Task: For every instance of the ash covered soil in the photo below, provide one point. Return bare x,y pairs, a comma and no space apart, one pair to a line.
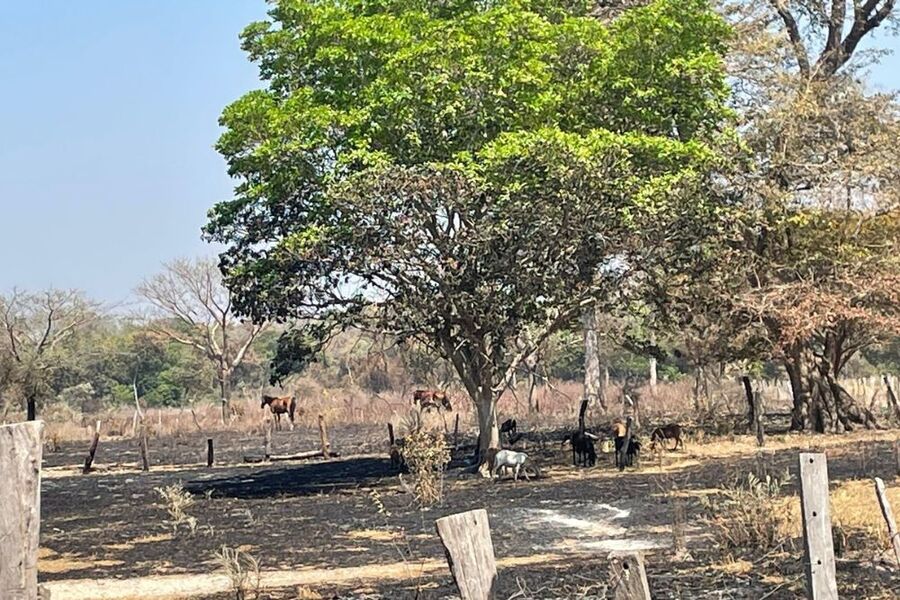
349,528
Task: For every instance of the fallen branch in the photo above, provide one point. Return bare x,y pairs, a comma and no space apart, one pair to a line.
298,456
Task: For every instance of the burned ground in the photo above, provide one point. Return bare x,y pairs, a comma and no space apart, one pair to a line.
349,528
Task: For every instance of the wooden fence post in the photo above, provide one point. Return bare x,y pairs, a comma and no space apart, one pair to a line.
821,583
470,553
267,442
456,433
20,497
897,455
748,392
89,460
888,515
758,420
209,452
145,452
627,577
323,438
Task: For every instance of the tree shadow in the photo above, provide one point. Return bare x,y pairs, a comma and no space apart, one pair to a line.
297,480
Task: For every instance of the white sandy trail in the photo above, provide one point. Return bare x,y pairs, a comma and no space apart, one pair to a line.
173,587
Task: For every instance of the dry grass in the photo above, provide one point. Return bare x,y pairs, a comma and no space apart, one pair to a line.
669,401
242,570
748,515
426,453
857,523
176,500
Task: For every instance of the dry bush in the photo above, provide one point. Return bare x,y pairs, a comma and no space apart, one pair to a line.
305,593
426,454
750,515
242,570
176,500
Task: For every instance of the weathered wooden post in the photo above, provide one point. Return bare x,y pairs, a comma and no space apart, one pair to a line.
627,577
209,452
267,442
888,515
145,452
323,438
391,438
20,516
456,433
89,460
626,443
470,553
758,420
748,392
897,455
821,583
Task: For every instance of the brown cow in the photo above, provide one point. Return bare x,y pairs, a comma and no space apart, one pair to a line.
671,431
280,405
426,399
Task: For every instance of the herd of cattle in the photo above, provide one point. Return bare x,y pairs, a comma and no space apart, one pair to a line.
625,445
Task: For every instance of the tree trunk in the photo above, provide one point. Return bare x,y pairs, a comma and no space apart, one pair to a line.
532,381
653,377
821,404
488,431
225,389
31,402
592,383
800,414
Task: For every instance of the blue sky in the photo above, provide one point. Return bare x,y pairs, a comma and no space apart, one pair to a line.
108,116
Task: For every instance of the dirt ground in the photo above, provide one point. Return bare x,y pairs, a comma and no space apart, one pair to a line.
348,528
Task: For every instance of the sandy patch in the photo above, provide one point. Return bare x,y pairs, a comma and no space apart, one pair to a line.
172,587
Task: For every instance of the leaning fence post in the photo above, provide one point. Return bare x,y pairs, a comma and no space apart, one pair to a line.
470,553
628,579
20,497
89,460
888,515
821,583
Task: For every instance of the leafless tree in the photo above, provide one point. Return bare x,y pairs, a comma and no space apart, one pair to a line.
35,327
194,308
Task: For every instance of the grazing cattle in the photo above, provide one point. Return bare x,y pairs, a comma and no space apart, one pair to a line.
280,405
426,399
626,457
672,431
582,447
508,459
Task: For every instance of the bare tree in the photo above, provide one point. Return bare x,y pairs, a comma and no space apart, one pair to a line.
35,327
194,308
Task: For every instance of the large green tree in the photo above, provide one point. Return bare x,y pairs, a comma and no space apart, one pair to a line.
459,172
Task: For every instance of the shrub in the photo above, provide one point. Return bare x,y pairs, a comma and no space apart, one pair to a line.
426,454
242,570
176,500
750,514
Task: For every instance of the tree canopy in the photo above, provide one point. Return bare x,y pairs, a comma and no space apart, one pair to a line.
455,172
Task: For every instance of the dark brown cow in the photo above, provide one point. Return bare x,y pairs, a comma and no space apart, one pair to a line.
426,399
280,405
671,431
